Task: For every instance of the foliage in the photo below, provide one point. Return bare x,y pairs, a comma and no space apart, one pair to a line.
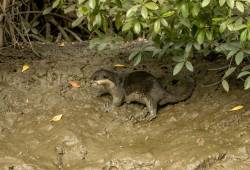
177,27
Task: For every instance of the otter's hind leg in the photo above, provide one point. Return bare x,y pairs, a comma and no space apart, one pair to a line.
117,101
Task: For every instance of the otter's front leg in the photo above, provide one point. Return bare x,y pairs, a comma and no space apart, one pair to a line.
117,101
152,108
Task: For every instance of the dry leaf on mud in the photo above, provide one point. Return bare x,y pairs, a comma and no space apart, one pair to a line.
237,108
74,84
119,65
61,44
25,67
56,118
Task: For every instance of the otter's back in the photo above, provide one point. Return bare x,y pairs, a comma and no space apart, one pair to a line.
138,82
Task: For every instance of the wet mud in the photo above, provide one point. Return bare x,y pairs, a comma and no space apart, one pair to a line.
198,134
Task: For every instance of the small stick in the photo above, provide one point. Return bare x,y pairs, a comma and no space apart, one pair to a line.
73,34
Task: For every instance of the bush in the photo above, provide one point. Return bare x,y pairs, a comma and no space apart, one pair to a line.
177,27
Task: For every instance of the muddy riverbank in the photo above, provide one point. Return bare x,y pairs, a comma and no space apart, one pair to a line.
200,133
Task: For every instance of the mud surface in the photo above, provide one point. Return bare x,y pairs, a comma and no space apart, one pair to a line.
200,133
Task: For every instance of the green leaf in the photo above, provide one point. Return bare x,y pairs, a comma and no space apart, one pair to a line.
83,10
231,53
132,55
240,6
239,57
200,37
119,3
247,83
98,20
195,10
151,5
149,48
164,22
92,4
236,27
137,59
178,59
223,26
77,22
157,26
247,67
205,3
230,3
47,10
243,35
229,72
186,22
105,25
197,46
168,13
144,12
137,28
131,11
188,48
222,2
56,3
242,74
209,35
70,8
118,21
225,85
81,1
184,10
178,68
248,37
126,26
189,66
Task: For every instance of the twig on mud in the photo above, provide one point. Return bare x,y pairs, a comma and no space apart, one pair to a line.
40,12
18,31
218,69
47,30
73,34
27,35
55,23
210,85
38,38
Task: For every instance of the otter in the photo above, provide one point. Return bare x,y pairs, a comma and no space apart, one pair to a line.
137,86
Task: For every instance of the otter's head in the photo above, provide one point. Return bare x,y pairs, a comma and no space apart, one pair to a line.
104,77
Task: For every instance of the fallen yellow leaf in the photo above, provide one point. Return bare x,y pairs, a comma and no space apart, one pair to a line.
74,84
237,108
119,65
25,67
61,44
56,118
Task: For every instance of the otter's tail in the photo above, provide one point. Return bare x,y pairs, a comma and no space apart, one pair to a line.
170,98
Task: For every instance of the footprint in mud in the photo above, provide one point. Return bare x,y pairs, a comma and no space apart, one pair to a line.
68,155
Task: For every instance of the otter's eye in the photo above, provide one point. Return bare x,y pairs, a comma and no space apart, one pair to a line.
105,77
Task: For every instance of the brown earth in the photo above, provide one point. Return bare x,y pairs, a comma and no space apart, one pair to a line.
200,133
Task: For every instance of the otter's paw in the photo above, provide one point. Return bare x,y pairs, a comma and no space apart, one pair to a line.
107,107
150,117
